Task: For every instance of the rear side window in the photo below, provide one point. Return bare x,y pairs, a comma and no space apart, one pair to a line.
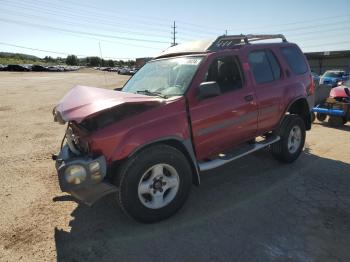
264,66
295,59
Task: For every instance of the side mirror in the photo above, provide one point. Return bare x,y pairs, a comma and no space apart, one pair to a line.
208,89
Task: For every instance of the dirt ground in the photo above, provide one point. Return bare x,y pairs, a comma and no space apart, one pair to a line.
254,209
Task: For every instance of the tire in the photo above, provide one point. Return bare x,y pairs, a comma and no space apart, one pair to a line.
313,117
283,149
336,121
321,117
148,194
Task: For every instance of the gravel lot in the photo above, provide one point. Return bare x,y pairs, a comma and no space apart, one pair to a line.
254,209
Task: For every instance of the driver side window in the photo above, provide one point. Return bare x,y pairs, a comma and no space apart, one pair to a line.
226,71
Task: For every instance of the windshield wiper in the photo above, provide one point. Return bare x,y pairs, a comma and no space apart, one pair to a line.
151,93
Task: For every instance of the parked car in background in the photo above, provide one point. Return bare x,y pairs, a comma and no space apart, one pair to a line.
132,71
18,68
333,77
123,71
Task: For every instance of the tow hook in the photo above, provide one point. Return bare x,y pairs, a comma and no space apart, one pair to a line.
54,157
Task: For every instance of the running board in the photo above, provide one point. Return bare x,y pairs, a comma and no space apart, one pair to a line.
237,153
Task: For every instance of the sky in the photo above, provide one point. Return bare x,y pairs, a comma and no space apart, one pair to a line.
130,29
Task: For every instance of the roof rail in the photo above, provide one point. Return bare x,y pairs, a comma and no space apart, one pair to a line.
230,41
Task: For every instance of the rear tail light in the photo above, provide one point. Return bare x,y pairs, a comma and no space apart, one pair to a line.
311,87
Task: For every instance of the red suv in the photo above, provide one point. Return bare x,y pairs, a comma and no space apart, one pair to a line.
195,107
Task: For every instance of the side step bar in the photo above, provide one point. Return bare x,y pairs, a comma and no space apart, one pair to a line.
237,153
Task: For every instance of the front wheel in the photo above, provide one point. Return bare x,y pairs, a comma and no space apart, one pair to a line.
292,133
154,183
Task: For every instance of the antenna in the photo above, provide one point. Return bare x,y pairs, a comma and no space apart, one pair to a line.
104,72
174,34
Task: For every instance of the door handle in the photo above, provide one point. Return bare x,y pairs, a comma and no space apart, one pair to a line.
249,98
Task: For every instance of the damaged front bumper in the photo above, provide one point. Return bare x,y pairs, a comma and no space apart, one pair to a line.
83,177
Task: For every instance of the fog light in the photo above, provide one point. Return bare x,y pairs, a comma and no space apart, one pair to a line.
75,174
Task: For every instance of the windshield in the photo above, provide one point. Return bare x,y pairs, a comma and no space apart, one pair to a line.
166,77
333,74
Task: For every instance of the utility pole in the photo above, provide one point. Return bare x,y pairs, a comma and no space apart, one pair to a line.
104,72
174,34
225,32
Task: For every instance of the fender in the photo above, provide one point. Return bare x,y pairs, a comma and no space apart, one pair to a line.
306,117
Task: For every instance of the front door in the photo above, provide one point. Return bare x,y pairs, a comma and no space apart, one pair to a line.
220,122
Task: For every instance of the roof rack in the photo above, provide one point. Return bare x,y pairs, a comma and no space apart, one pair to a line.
230,41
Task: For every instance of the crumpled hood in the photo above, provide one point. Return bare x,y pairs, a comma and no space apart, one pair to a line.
83,101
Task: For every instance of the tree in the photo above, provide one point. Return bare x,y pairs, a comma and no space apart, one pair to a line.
93,61
110,63
72,60
49,59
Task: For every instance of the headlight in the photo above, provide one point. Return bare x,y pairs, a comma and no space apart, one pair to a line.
75,174
57,116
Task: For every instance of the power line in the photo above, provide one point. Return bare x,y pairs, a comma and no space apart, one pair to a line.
36,49
320,33
327,44
95,9
76,15
99,39
206,32
86,17
81,32
56,52
292,23
89,23
316,26
101,21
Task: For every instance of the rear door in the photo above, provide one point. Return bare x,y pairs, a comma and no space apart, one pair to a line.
268,81
219,123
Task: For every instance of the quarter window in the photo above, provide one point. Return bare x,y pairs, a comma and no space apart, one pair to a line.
295,60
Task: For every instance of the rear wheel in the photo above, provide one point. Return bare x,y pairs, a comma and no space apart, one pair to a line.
154,183
292,133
